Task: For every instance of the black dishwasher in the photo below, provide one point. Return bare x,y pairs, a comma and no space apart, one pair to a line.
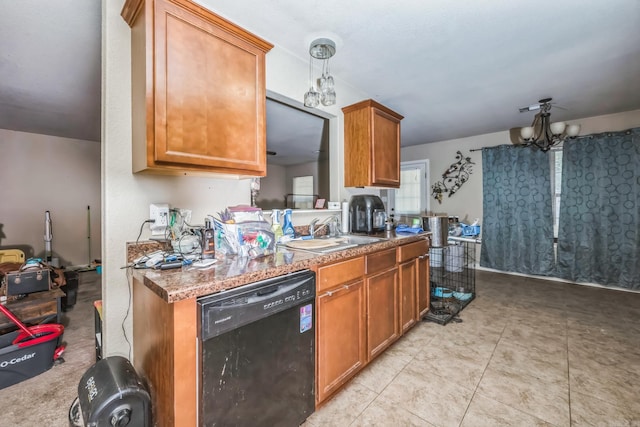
257,353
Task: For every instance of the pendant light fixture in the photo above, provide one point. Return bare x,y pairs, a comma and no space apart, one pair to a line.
542,133
321,49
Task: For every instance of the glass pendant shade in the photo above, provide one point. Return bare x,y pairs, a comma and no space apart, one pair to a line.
311,98
322,49
328,98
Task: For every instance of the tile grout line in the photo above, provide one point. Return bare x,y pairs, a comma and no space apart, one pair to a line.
568,364
483,372
413,357
385,387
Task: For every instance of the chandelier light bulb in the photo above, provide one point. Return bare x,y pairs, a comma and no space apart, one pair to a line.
573,130
526,132
557,128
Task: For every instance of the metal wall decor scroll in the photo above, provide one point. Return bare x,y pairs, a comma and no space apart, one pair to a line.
453,178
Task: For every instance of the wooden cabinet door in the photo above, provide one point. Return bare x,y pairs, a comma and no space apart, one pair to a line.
385,167
341,337
408,287
198,91
209,94
371,145
424,288
383,326
412,281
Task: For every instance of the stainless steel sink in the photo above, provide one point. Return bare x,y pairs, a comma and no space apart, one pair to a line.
345,241
362,240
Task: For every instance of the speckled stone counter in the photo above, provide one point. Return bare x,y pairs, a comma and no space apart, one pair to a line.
230,272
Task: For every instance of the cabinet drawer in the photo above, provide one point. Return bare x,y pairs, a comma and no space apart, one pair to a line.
339,272
412,250
380,261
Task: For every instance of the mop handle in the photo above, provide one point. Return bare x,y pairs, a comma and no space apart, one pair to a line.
15,320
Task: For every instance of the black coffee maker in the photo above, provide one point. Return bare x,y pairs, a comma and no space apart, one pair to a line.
367,214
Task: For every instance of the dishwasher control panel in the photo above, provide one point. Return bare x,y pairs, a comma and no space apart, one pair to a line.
228,310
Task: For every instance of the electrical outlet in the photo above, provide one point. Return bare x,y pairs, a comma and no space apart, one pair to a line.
159,212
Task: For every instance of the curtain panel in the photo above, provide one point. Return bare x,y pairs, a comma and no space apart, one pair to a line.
599,227
517,226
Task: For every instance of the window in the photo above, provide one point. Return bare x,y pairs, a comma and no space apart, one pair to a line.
411,197
303,192
556,185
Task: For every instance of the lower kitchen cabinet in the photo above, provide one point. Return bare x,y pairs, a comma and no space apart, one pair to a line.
363,305
382,293
341,336
411,282
383,327
408,280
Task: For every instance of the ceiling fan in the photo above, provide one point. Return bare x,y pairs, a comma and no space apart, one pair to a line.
542,133
545,102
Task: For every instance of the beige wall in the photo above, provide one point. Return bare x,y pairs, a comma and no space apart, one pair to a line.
273,187
126,197
61,175
467,202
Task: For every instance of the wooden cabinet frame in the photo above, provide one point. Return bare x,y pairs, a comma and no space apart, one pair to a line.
198,91
371,145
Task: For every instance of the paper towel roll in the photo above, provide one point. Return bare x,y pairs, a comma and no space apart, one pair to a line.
344,219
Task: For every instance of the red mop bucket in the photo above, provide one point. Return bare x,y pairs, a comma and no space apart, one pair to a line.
29,351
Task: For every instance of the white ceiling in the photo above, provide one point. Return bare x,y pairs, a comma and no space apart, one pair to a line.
50,67
453,69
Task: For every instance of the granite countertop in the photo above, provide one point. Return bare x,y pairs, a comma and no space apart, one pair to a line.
230,272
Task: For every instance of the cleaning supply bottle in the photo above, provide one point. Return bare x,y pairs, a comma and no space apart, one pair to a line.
275,224
208,248
287,227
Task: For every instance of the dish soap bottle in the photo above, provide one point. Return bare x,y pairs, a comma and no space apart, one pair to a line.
287,227
275,224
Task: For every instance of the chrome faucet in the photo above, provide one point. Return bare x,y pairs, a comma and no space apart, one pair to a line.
333,222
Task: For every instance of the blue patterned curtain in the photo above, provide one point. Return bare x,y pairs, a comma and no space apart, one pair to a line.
599,229
517,226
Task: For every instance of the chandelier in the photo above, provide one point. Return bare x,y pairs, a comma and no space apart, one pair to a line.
321,49
542,133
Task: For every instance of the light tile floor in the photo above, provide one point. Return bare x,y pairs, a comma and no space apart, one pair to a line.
528,352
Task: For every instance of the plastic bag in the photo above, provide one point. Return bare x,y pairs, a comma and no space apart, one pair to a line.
246,239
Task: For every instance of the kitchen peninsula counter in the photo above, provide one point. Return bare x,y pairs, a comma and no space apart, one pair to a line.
231,272
165,315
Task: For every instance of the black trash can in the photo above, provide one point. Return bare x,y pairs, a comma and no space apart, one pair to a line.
70,289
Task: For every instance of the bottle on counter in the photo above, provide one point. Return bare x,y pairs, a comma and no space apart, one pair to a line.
208,241
287,227
275,224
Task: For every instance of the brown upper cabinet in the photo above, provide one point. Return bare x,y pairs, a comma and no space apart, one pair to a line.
198,91
371,145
